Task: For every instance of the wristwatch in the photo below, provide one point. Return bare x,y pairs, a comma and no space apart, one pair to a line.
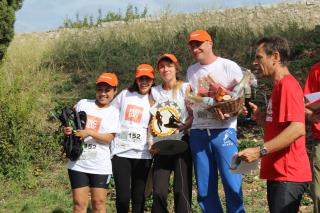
263,150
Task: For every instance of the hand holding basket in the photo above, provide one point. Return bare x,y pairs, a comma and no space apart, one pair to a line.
228,102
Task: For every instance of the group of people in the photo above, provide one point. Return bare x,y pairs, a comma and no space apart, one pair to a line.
118,142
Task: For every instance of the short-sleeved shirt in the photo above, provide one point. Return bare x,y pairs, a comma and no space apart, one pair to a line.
134,110
286,105
225,72
313,85
95,158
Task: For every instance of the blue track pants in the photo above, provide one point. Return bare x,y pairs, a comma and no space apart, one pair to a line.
212,151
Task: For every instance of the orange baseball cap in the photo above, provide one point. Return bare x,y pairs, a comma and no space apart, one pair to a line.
145,70
170,56
109,78
199,35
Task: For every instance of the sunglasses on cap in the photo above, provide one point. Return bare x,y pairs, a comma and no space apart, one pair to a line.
144,78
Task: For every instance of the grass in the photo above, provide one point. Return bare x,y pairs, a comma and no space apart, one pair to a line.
49,192
46,192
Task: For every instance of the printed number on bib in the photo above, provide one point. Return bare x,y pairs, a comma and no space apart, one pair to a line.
129,139
130,136
89,151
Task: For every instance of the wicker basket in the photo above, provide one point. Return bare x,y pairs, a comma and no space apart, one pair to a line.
232,107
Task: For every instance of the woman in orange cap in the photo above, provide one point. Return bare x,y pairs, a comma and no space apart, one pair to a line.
92,170
181,164
131,159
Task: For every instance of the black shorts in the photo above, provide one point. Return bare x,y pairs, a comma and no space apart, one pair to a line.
81,179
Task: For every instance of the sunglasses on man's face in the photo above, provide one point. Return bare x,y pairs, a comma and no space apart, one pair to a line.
195,44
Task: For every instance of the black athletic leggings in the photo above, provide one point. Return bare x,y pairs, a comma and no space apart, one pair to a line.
181,165
130,175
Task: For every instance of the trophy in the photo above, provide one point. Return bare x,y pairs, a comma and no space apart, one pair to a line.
166,120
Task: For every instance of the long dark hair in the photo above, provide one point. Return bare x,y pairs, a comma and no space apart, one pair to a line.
135,88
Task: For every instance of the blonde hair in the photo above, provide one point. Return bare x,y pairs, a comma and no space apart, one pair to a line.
176,88
179,82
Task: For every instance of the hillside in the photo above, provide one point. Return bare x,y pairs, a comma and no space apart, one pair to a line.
304,12
156,35
46,71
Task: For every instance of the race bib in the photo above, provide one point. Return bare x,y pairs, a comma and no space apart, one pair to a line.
131,139
89,151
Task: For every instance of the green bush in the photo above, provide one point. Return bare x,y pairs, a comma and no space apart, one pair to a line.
26,140
86,22
7,18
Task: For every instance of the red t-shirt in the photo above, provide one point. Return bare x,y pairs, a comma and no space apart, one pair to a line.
285,105
313,85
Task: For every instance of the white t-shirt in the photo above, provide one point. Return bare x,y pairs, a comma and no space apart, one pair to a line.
161,95
227,73
131,142
95,158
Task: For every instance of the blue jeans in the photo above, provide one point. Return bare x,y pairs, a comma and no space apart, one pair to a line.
212,151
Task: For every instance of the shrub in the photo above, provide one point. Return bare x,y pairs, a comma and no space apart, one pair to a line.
25,137
7,18
86,22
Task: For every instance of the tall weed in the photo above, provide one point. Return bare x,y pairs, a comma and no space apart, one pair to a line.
24,99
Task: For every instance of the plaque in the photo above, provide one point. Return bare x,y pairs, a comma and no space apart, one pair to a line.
166,119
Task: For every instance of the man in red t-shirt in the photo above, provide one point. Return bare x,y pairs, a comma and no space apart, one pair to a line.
284,163
313,85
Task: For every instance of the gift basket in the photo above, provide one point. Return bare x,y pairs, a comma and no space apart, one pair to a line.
232,107
213,95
